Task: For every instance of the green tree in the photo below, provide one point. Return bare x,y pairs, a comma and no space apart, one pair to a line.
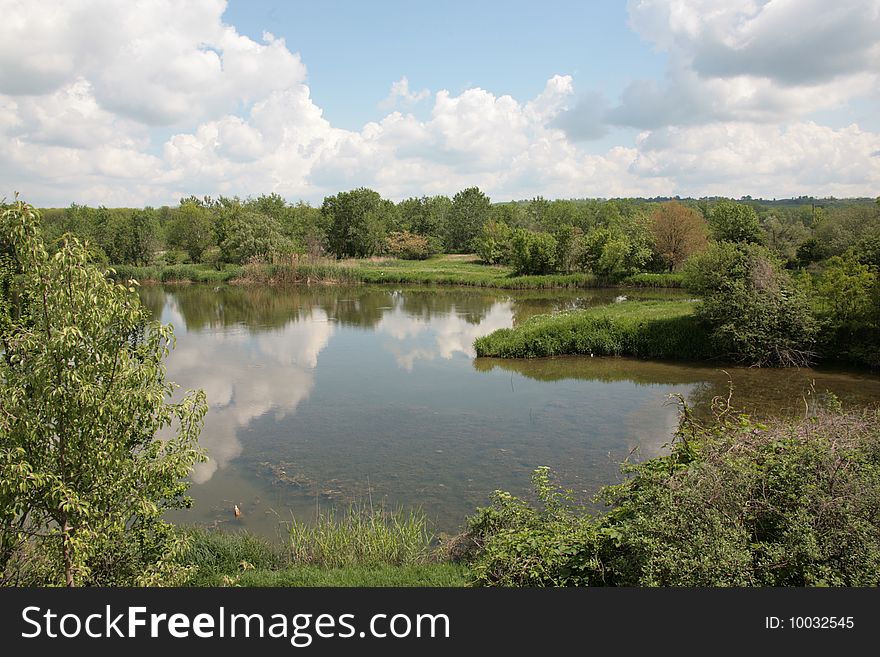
754,310
127,237
735,222
470,210
532,253
358,222
84,474
426,216
250,234
493,242
847,295
190,230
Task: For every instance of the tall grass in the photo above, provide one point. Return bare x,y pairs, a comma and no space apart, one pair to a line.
439,270
653,280
433,574
298,269
217,554
176,273
361,537
647,329
355,549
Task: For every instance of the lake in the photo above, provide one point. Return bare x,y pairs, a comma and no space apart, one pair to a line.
327,396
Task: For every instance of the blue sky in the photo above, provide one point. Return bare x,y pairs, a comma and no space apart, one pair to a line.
118,103
354,51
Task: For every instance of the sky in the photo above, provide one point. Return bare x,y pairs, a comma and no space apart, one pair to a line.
133,103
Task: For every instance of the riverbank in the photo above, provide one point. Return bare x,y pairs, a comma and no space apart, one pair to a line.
359,547
778,503
463,270
242,559
644,329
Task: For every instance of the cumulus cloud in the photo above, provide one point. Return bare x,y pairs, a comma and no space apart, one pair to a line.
746,158
140,64
801,43
751,61
401,94
111,103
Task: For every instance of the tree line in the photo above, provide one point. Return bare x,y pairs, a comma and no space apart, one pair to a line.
610,238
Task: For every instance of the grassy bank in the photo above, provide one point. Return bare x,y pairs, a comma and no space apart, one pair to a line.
177,273
440,270
733,502
644,329
354,548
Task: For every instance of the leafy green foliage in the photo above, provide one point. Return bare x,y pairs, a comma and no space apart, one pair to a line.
190,230
493,242
249,234
735,222
521,545
753,309
426,216
532,253
734,503
357,222
470,210
609,253
84,479
847,298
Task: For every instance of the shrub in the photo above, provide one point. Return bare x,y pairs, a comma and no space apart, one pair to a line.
755,312
553,544
532,253
847,295
408,246
734,503
493,243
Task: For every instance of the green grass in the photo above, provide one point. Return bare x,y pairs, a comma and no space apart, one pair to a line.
359,547
435,575
654,280
464,270
360,537
644,329
177,273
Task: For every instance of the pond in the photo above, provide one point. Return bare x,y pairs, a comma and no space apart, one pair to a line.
328,396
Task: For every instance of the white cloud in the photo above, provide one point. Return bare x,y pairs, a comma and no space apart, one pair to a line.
400,94
741,158
752,61
111,103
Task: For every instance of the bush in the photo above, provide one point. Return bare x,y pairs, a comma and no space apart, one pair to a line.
755,312
734,503
847,297
532,253
520,545
493,243
408,246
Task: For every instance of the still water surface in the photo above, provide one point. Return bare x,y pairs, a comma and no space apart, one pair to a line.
331,395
